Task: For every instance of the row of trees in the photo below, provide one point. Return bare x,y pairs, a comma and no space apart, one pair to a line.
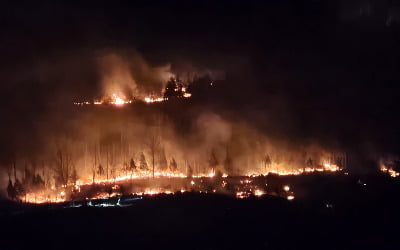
199,87
31,181
338,159
156,153
64,172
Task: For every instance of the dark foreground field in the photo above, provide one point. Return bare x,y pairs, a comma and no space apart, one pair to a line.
355,216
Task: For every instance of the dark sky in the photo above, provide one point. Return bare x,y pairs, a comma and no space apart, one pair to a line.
323,70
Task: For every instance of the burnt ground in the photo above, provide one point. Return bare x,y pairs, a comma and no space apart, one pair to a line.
337,213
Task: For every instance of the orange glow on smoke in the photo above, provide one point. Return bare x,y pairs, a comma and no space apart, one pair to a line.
53,195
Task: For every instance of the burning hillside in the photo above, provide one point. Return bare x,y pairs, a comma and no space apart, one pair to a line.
154,149
140,180
174,89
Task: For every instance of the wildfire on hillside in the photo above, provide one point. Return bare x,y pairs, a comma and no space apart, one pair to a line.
114,99
174,89
119,100
138,150
102,188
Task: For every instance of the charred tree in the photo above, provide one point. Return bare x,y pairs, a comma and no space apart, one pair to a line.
132,165
11,192
228,163
189,172
173,89
74,176
153,145
173,166
267,163
213,162
162,160
62,168
143,163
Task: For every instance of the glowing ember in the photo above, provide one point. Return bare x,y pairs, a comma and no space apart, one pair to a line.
153,100
258,192
390,171
248,186
323,168
242,195
118,100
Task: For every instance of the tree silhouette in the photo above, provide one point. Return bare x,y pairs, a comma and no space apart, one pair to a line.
228,163
94,166
153,144
213,162
74,176
37,182
309,162
162,160
132,165
19,188
100,170
12,193
173,165
59,169
143,163
267,162
190,172
173,88
28,176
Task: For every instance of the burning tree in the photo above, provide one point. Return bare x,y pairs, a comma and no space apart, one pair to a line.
267,162
74,176
94,166
189,172
143,163
132,165
173,88
153,144
162,160
12,193
310,163
100,170
19,188
228,163
173,166
213,162
28,176
31,182
37,182
62,168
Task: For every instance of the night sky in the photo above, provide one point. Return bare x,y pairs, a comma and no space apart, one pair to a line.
325,71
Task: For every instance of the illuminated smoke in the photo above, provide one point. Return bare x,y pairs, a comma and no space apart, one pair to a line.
129,75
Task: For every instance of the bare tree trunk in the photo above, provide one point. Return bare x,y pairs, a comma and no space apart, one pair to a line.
153,145
95,164
107,164
15,170
153,162
84,162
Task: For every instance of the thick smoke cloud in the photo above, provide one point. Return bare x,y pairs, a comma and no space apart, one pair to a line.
128,73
